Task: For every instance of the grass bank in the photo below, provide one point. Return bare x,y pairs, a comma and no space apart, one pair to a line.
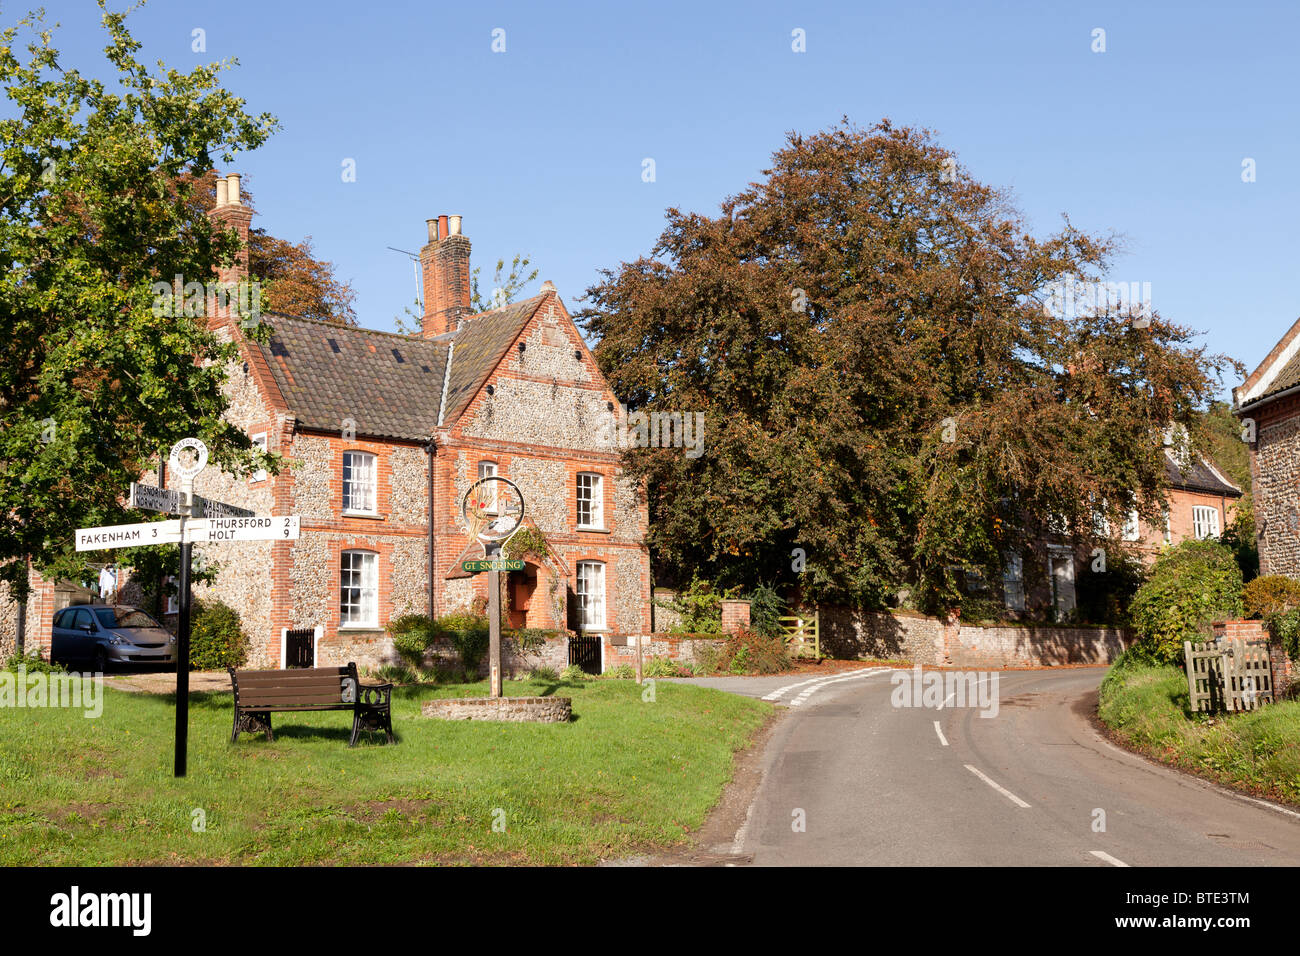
625,775
1257,752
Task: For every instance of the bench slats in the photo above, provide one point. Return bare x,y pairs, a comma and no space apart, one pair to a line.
291,677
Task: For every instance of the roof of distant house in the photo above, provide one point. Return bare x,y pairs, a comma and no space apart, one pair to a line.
386,385
1199,475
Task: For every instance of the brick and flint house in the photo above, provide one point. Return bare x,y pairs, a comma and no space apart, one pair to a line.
1200,503
380,430
1268,404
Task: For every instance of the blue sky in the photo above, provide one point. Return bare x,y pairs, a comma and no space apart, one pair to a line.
540,148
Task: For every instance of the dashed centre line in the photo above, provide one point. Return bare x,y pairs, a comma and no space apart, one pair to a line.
1103,855
998,787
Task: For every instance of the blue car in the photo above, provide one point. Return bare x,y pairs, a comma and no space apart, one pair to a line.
99,635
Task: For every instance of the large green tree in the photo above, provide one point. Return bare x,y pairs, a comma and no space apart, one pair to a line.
97,204
888,382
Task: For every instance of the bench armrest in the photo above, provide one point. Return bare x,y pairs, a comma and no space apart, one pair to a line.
375,695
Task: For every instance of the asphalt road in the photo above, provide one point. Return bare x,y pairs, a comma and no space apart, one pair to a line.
851,779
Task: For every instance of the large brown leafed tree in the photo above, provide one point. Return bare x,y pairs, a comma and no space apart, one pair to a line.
865,330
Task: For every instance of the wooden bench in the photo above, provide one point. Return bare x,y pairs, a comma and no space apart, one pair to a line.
259,693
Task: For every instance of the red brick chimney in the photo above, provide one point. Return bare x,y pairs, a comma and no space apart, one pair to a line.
445,264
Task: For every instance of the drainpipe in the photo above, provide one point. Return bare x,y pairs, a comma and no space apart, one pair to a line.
430,448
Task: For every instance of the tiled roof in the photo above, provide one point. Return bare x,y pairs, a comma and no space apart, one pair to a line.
1199,475
1288,377
481,341
389,385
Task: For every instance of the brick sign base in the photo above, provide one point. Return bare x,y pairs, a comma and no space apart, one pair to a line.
538,710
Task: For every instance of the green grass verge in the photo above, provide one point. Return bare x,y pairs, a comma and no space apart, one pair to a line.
623,776
1258,751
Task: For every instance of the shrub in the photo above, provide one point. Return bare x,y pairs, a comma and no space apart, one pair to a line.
32,663
699,607
664,667
765,609
412,634
1285,628
468,633
621,672
1269,596
1191,585
544,674
707,658
573,673
217,638
750,653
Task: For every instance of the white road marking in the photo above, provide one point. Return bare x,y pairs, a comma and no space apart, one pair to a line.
781,691
1188,778
945,703
942,739
804,695
1103,855
1000,789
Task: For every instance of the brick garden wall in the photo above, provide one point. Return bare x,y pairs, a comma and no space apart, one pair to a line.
621,649
884,635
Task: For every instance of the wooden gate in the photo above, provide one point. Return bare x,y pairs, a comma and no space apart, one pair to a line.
300,647
803,635
1228,675
584,650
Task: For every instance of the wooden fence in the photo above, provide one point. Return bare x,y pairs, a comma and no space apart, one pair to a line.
803,635
1229,675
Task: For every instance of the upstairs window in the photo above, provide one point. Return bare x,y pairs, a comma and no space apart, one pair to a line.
1205,522
591,501
1132,527
488,493
259,442
358,482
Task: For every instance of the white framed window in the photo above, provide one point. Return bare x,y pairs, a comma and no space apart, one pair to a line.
1169,528
359,589
591,595
1205,522
173,605
488,469
591,501
1132,526
259,442
359,482
1013,581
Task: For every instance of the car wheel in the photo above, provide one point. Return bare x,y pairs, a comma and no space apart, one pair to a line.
101,661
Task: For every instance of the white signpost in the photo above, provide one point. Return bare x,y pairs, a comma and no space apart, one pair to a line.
129,535
201,521
168,501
